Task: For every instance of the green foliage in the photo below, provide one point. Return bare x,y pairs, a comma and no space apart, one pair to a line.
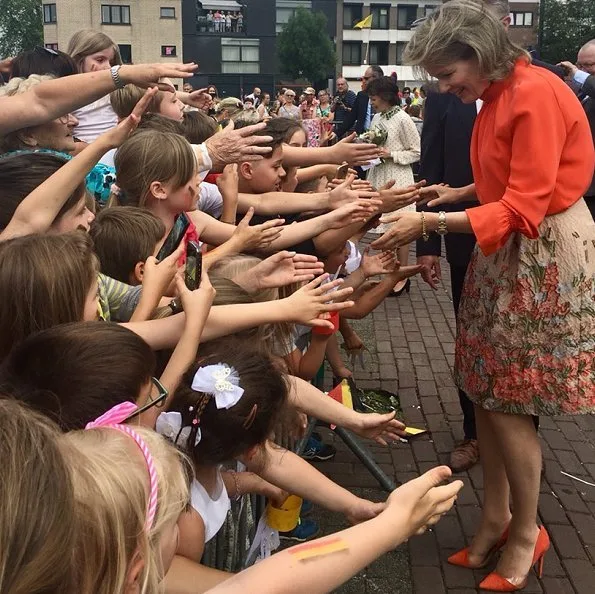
567,25
304,47
21,26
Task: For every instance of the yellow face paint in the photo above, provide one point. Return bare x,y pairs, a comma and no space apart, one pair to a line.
318,548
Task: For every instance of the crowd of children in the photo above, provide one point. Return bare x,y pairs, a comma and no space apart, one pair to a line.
168,291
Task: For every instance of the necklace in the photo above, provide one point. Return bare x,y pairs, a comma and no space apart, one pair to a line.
387,115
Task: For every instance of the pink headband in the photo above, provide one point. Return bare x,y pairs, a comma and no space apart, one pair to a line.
113,419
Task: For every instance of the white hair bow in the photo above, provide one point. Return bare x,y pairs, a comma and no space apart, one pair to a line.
220,381
169,424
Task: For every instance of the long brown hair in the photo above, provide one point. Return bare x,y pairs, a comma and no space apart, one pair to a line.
87,42
37,531
44,281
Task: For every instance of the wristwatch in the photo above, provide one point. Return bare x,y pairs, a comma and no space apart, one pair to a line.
115,72
442,228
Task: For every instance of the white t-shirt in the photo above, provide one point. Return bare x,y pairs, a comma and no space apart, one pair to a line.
210,199
95,119
213,511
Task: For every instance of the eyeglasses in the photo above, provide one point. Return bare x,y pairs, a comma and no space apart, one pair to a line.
290,96
157,402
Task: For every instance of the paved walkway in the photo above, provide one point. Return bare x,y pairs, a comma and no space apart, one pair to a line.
412,347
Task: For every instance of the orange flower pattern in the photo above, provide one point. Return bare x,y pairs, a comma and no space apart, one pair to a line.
526,339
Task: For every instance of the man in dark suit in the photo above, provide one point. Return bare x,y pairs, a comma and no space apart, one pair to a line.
583,77
360,116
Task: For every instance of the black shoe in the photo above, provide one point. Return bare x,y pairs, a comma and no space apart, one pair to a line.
405,288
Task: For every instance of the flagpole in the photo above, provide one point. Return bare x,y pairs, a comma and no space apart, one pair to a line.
367,46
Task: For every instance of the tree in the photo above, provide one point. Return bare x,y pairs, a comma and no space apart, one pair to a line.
21,26
566,26
305,48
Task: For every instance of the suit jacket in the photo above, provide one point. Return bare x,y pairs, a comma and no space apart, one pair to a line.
356,118
445,158
587,99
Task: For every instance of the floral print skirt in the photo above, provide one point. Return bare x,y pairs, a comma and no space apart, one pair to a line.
526,327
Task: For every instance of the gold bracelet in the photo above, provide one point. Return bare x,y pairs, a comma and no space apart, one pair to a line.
424,228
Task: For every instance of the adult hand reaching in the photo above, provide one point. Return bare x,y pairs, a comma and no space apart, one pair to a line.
234,146
354,153
431,272
148,75
405,228
569,69
438,194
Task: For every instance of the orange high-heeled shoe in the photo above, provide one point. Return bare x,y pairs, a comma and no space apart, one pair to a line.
496,583
461,558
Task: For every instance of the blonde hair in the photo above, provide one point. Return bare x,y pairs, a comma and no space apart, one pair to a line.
228,292
87,42
17,86
37,533
149,156
464,30
111,489
125,99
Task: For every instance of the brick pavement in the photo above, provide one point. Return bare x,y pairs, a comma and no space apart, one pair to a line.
411,339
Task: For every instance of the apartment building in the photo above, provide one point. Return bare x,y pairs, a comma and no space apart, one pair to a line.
524,23
146,31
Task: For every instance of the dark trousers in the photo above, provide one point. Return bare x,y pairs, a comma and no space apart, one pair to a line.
457,279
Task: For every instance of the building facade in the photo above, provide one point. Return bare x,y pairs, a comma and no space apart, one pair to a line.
524,23
146,31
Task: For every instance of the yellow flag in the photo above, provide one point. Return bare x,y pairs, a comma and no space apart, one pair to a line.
365,24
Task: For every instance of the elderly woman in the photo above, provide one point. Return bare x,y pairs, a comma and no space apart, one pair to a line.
525,342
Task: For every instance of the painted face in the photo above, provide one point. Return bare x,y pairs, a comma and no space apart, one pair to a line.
461,78
77,217
99,60
171,107
268,174
185,198
298,139
91,309
56,134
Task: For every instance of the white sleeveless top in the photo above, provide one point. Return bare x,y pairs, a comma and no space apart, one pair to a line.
212,511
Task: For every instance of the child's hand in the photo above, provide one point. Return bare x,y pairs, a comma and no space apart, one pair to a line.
256,236
193,301
116,136
345,193
379,428
379,263
307,303
227,183
157,276
363,510
359,211
284,268
421,502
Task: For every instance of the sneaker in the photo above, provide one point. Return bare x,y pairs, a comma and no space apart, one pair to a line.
317,450
307,507
305,530
464,456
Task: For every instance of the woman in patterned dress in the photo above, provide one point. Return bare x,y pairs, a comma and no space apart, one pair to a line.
400,149
526,340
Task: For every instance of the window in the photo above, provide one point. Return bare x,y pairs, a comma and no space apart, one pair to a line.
168,51
115,14
167,12
405,16
286,9
240,56
428,10
352,14
379,16
378,53
401,45
521,19
51,46
352,53
49,13
125,53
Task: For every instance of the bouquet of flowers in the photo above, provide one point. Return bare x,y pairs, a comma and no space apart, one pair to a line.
376,135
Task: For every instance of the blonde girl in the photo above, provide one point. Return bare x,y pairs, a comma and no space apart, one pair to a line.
37,534
130,487
94,51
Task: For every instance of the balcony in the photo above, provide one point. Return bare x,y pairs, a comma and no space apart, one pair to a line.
220,17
